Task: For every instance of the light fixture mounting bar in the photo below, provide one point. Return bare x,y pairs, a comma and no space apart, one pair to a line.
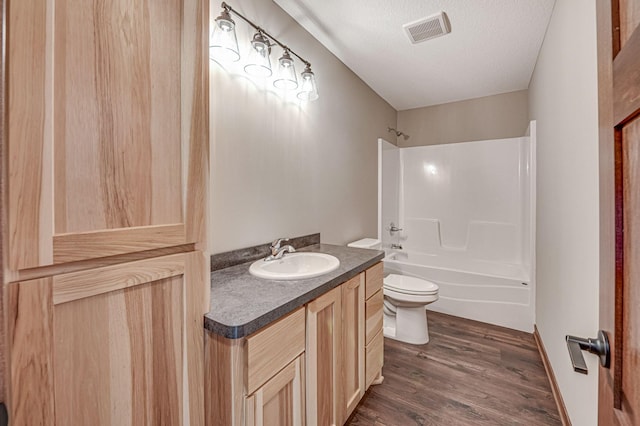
228,8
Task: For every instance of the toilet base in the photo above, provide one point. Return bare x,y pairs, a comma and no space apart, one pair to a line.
409,325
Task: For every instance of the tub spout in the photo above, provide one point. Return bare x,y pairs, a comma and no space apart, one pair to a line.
396,246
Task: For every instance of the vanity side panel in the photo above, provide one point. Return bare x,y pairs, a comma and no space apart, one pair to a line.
224,380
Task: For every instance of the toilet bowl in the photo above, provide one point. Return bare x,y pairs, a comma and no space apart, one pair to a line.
405,299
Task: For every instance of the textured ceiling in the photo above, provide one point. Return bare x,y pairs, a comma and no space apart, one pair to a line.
492,47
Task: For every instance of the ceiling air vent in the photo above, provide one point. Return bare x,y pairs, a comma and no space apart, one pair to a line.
427,28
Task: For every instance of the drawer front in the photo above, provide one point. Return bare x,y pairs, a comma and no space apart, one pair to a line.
373,316
374,358
273,347
373,279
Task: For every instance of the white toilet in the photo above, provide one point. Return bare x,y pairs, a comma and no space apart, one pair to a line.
405,298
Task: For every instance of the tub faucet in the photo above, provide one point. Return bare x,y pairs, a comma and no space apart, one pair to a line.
396,246
277,252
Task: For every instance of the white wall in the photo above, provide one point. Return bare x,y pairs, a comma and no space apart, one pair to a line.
281,168
563,100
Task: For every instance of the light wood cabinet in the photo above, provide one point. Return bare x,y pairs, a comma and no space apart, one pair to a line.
374,341
258,379
324,340
105,104
280,401
336,353
352,366
105,233
312,366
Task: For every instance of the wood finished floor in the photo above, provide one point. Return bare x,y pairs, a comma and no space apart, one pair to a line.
470,373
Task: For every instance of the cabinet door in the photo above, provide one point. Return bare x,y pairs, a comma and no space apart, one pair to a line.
324,392
280,401
108,346
107,135
353,343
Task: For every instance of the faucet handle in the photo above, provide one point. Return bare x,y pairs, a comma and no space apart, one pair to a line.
276,244
393,228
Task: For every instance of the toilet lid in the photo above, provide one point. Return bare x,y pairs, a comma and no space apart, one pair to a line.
409,285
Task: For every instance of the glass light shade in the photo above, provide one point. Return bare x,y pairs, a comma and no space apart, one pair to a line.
258,64
223,44
309,88
286,73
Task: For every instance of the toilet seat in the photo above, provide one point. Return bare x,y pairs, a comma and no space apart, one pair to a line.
410,286
402,298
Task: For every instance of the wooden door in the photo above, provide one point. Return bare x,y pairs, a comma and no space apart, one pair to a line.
353,343
324,392
102,122
106,346
619,93
280,401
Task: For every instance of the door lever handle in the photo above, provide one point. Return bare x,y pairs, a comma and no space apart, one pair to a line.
598,346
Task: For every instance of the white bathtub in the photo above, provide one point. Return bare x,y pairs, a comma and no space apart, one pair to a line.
492,292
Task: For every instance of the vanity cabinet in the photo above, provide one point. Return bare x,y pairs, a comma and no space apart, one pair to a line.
258,379
309,367
374,340
275,373
335,353
353,344
324,393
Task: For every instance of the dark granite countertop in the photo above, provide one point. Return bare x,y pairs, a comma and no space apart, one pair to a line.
242,304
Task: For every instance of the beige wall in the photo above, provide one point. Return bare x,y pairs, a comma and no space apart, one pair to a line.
490,117
283,169
563,100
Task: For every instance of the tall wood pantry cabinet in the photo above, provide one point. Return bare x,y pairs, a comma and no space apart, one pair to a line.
104,189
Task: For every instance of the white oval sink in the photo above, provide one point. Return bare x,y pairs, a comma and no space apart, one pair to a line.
295,266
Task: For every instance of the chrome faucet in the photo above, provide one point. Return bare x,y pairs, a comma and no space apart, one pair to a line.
277,252
396,246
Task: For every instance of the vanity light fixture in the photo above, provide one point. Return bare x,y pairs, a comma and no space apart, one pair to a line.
223,46
223,43
258,64
286,78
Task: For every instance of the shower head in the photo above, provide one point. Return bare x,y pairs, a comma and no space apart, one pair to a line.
398,133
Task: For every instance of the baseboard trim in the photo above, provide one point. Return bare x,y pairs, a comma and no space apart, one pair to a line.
562,409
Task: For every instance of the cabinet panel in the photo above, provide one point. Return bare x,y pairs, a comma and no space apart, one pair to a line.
280,401
374,316
113,356
105,98
116,76
353,324
324,392
375,359
374,278
118,356
30,346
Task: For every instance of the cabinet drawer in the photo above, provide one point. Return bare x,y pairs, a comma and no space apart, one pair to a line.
373,280
273,347
373,316
374,358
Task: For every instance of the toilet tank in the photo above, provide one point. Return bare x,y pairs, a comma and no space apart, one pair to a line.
368,243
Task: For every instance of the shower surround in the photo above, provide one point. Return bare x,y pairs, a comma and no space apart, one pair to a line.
467,214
